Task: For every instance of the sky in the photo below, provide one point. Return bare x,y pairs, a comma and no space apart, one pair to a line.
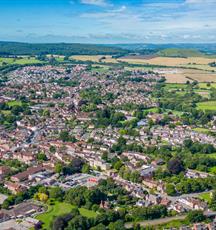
108,21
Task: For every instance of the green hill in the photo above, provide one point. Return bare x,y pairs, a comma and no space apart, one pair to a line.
17,48
175,52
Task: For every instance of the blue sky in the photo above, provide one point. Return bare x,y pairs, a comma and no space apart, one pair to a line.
108,21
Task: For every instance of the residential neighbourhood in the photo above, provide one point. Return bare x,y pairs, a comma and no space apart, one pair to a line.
73,127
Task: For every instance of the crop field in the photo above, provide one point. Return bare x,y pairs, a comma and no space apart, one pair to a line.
95,58
171,61
206,86
184,75
207,105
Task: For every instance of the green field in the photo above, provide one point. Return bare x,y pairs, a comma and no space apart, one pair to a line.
14,103
173,224
19,61
176,86
201,130
206,197
207,105
60,208
204,86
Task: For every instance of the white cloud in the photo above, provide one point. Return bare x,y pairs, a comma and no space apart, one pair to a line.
95,2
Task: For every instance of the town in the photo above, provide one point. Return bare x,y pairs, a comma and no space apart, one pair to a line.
107,143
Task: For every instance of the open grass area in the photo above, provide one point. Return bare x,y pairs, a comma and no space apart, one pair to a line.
176,86
205,196
173,224
87,213
207,105
212,170
60,208
19,61
206,86
14,103
201,130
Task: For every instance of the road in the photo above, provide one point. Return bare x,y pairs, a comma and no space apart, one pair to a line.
29,140
156,221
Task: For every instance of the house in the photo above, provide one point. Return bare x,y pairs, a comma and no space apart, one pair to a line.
178,207
193,203
24,209
147,171
200,226
25,175
24,157
4,171
165,202
154,199
14,187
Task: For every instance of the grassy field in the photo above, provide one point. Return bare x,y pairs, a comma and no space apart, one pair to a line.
207,105
206,197
14,103
205,86
19,61
176,86
201,130
60,208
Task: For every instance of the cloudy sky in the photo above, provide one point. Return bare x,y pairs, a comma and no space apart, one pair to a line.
108,21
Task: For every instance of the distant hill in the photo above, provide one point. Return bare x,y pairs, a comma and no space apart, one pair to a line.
206,48
176,52
17,48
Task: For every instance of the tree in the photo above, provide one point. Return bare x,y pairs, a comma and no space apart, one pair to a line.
195,216
78,222
118,225
85,168
175,166
170,190
99,227
41,197
213,200
64,136
56,193
41,156
58,168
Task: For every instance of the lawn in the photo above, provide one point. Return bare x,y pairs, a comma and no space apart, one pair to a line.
87,213
60,208
201,130
204,85
14,103
207,105
205,196
213,170
176,86
173,224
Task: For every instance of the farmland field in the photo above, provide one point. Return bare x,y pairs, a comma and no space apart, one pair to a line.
207,105
184,75
19,61
170,61
95,58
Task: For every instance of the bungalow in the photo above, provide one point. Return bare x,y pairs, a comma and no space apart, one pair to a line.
14,187
25,175
4,171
